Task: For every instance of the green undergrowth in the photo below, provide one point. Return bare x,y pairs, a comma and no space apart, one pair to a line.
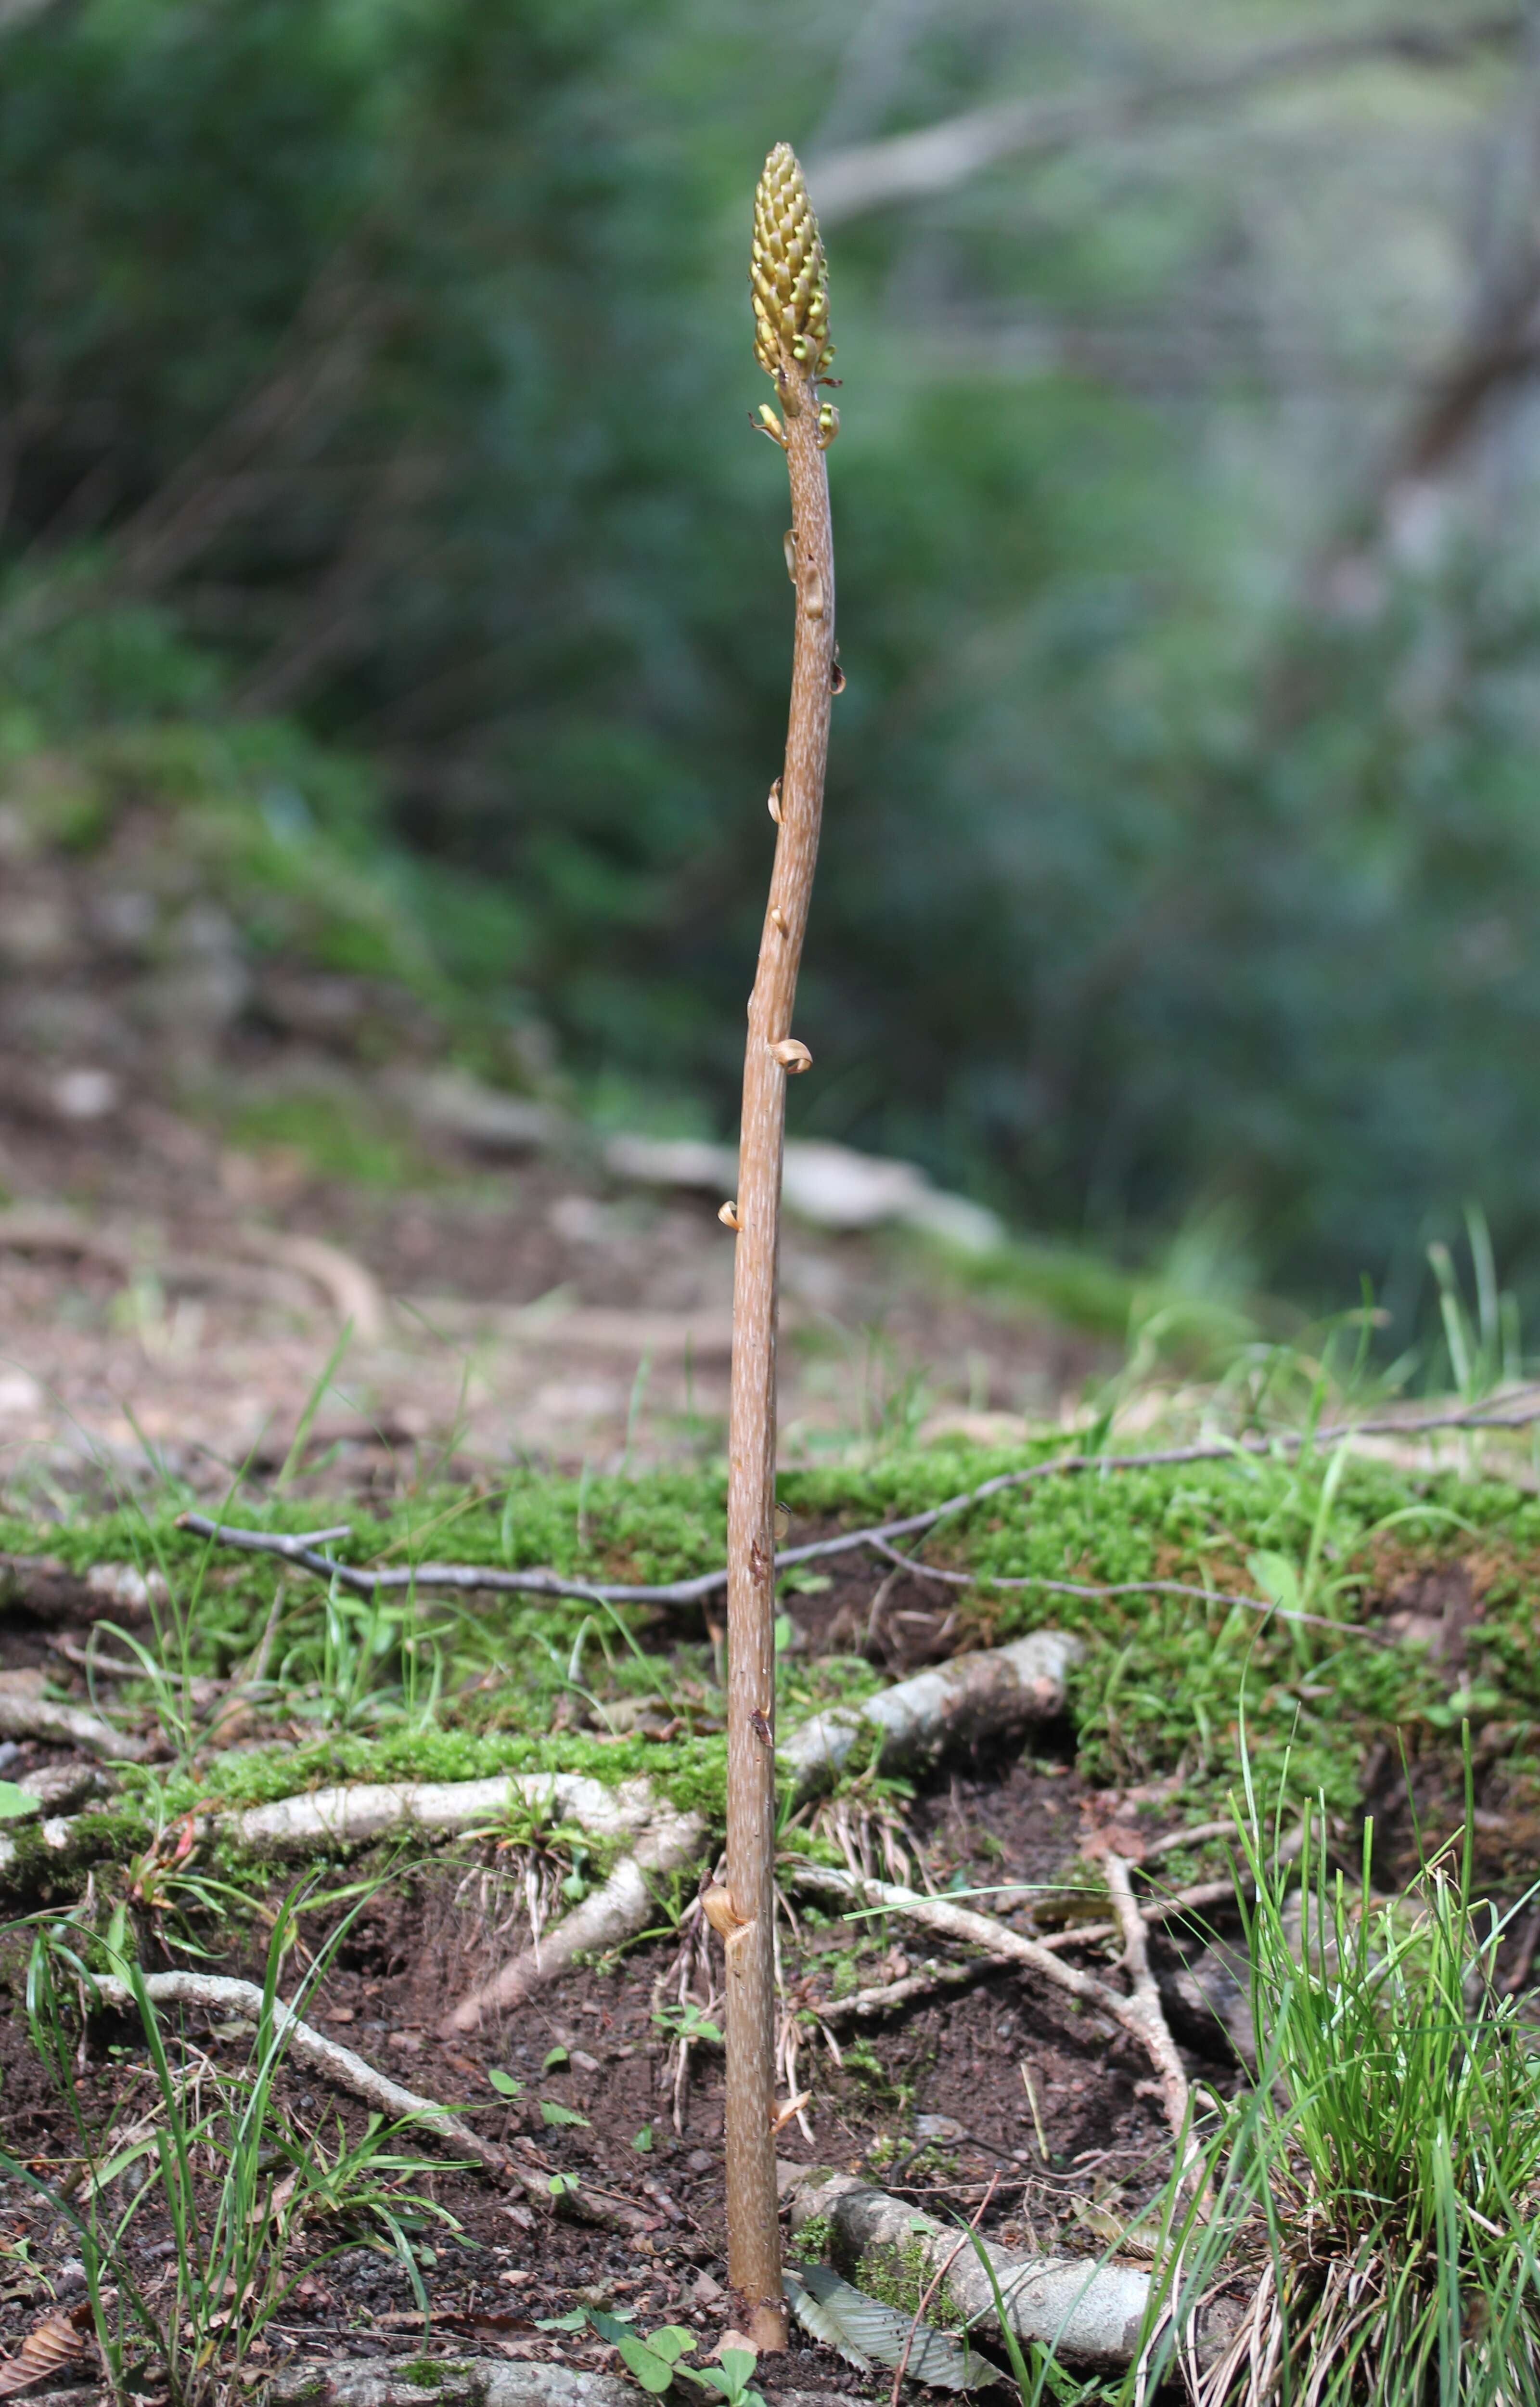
450,1689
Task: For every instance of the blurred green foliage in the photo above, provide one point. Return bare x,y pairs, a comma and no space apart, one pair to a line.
386,365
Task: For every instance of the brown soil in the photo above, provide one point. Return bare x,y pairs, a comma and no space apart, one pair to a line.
937,2109
178,1346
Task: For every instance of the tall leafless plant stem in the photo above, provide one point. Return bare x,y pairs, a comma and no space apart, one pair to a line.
745,1916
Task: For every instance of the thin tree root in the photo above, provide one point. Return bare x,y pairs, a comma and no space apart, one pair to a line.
998,1939
217,1993
1143,2011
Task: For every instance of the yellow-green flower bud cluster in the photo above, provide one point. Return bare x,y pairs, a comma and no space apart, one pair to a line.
788,280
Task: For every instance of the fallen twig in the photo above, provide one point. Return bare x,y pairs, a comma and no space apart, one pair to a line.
1261,1604
217,1993
471,1578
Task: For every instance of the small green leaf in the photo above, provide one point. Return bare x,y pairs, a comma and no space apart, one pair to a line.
504,2084
559,2184
671,2340
15,1801
1277,1579
550,2112
738,2364
654,2373
642,2140
574,2322
557,2057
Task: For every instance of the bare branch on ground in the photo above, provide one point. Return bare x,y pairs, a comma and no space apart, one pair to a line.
473,1577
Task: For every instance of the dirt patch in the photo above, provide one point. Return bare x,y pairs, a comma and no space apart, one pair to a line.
536,1312
937,2108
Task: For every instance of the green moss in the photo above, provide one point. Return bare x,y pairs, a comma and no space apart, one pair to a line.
1159,1691
901,2275
815,2238
462,2375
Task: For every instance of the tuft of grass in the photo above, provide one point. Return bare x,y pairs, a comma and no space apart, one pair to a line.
251,2198
1375,2197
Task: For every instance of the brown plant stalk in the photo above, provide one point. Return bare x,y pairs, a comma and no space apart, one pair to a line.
790,306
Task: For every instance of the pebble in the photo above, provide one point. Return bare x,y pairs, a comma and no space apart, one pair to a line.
699,2161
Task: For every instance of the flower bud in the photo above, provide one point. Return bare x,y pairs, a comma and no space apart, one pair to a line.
788,281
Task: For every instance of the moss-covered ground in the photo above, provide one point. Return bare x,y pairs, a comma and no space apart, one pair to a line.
427,1687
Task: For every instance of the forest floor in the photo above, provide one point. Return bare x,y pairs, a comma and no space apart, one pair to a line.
547,1389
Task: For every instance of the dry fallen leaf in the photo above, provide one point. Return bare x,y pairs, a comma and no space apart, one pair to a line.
781,2115
47,2348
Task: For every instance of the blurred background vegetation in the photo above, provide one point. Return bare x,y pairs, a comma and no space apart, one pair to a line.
381,504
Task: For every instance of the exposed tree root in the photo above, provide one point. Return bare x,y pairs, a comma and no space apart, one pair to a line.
462,2382
613,1913
451,2381
1144,2011
24,1716
1089,2313
354,1816
215,1993
996,1694
49,1590
1137,2015
891,1997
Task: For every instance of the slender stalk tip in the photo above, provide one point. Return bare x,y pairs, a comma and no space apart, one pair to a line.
788,280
